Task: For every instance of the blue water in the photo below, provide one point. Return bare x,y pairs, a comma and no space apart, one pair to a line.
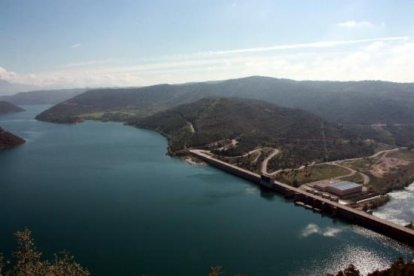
109,195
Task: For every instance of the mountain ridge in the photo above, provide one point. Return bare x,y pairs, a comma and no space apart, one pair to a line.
253,124
359,102
53,96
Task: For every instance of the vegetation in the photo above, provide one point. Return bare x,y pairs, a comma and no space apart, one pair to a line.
115,116
6,107
254,123
350,103
42,96
147,100
342,145
388,171
311,174
355,117
393,134
398,268
9,140
27,260
218,270
356,178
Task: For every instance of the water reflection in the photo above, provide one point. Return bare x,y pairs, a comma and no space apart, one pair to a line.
362,256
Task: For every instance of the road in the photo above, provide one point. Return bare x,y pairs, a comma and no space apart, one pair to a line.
263,168
264,165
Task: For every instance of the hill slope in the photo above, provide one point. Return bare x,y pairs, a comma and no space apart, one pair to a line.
299,134
363,102
6,107
8,140
42,96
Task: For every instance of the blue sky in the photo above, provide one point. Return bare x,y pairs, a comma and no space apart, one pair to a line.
67,43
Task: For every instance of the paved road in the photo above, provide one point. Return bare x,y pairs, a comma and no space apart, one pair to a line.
263,168
365,177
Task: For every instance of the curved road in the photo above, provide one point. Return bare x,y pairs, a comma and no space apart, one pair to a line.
263,168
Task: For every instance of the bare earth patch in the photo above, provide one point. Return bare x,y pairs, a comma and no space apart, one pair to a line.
386,164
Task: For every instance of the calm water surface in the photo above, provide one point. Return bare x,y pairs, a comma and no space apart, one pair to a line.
108,194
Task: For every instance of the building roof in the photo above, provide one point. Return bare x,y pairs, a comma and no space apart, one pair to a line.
345,185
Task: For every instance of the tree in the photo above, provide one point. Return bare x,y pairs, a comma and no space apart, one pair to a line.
215,271
28,261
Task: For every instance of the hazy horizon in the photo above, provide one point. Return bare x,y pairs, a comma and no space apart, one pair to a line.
77,44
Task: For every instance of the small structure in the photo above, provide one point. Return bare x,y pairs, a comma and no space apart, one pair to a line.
266,180
344,188
336,188
321,185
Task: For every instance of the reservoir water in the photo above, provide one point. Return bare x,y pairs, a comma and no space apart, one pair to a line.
109,195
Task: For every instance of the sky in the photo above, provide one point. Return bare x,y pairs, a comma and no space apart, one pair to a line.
97,43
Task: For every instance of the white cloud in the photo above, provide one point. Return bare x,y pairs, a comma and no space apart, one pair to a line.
234,52
87,63
7,75
355,24
77,45
315,45
389,58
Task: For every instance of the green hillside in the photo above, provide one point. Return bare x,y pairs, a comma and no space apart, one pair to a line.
364,102
356,105
254,123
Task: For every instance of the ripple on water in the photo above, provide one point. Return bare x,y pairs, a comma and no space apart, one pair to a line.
362,256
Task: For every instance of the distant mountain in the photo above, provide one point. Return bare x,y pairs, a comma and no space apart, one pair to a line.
6,107
42,96
300,134
9,140
7,88
362,102
145,101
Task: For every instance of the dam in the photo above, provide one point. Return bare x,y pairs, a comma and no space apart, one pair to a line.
387,228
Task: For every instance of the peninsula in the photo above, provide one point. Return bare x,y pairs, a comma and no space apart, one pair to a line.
9,140
7,107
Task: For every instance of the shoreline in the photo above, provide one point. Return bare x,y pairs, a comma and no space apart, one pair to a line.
193,161
188,158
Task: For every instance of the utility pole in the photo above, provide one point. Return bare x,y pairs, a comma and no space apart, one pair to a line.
325,149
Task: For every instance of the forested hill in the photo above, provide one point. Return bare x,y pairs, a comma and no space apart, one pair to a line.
42,96
254,123
362,102
9,140
6,107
